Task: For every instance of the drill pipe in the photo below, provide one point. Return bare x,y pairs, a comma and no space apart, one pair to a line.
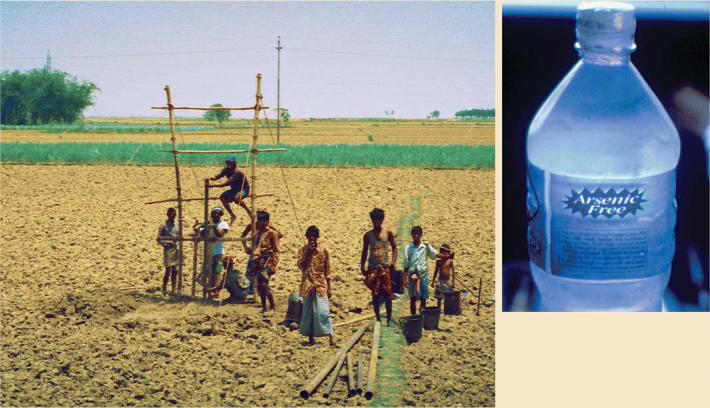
372,370
359,374
308,388
334,377
352,388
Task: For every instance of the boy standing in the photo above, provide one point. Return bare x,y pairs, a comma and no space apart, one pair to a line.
245,232
171,259
266,253
239,187
415,266
445,269
213,267
378,275
316,273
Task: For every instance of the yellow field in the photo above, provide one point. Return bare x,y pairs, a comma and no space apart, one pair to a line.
302,131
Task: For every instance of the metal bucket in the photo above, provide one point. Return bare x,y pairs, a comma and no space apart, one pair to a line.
452,302
412,328
431,318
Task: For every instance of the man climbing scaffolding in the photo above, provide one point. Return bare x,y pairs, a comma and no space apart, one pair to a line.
239,187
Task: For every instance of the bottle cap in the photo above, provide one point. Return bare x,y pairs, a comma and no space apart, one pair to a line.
606,26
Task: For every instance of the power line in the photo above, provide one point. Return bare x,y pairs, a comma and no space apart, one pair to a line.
381,43
142,54
393,56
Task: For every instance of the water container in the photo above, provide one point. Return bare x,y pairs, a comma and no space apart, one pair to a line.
452,302
295,308
431,317
412,328
602,155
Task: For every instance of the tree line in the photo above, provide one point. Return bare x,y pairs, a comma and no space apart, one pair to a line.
476,113
42,96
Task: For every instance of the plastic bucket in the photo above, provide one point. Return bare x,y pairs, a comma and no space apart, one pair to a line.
398,281
295,310
412,328
452,302
431,318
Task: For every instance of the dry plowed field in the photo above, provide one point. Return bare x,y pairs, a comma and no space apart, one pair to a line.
84,324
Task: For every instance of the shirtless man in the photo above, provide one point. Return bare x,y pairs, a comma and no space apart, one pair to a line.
378,274
445,270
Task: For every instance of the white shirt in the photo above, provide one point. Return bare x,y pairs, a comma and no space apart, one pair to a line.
415,258
218,247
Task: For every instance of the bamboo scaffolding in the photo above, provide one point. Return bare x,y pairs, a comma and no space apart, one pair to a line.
220,151
210,108
352,388
308,389
199,199
254,151
372,370
334,377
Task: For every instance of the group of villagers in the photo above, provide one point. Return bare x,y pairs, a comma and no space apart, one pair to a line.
377,263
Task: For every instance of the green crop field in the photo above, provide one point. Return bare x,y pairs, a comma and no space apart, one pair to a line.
342,155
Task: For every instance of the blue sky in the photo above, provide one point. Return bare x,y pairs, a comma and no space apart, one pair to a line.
339,59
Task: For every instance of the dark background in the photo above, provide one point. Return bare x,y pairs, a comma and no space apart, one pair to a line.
538,50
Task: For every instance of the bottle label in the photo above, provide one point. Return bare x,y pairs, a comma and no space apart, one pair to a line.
586,228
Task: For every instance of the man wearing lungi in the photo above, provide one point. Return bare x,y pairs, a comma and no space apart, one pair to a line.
316,274
169,229
378,275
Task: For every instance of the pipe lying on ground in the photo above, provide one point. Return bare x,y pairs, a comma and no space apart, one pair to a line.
315,381
334,377
359,374
372,369
478,306
352,388
355,320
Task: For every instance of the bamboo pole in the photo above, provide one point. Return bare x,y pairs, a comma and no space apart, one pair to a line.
372,370
334,377
218,151
195,244
177,178
210,108
355,320
478,306
206,258
352,388
199,199
254,141
239,239
464,286
307,390
359,373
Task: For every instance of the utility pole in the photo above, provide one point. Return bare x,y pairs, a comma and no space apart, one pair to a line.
48,64
278,93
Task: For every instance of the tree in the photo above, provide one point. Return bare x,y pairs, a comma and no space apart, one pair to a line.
220,116
434,114
284,115
41,96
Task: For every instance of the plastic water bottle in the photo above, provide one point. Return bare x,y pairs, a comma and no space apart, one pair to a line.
602,154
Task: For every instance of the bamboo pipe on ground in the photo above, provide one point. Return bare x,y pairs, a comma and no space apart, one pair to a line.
307,390
334,377
352,387
355,320
359,374
372,369
478,306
